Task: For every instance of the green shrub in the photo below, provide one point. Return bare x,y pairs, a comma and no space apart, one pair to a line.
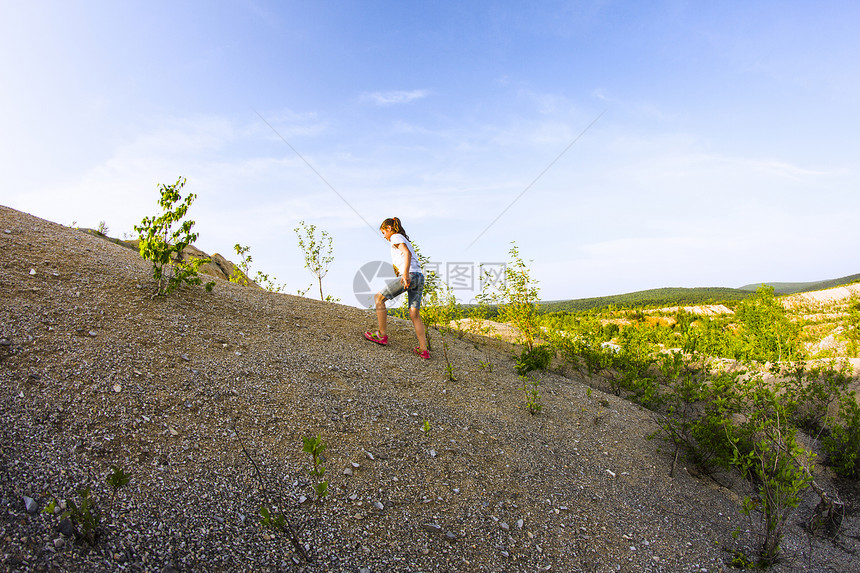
766,331
536,358
315,447
163,246
84,515
775,464
517,297
531,386
239,275
811,392
843,443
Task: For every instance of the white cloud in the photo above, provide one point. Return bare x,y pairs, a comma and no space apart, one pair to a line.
394,97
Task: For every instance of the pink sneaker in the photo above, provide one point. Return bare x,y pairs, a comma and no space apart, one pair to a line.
422,354
383,340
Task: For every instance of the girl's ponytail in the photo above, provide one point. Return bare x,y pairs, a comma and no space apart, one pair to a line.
396,226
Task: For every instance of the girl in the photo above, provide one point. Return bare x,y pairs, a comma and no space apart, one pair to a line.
408,268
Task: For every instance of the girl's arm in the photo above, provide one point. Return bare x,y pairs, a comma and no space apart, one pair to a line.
407,261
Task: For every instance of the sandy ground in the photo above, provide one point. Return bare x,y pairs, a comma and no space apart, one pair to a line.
204,398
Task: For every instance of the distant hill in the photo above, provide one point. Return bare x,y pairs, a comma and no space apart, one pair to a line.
793,288
672,296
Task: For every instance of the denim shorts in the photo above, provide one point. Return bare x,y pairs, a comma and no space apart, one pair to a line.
396,288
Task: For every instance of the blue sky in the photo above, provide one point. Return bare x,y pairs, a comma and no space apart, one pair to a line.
724,151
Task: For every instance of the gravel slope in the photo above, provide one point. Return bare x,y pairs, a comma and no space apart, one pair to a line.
203,398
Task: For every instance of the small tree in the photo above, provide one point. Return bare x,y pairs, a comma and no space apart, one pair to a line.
163,246
776,465
318,252
242,272
239,275
518,299
766,330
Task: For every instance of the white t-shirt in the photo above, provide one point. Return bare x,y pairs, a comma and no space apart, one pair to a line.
398,257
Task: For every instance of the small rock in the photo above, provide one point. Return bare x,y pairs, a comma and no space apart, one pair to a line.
433,527
378,505
347,472
93,333
505,526
432,453
450,535
520,523
173,432
59,542
117,388
30,505
66,528
185,357
32,272
369,455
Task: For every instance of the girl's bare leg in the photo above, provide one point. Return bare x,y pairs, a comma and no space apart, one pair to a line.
415,315
381,314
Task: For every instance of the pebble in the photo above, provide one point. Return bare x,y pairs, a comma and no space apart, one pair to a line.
30,505
433,527
66,527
